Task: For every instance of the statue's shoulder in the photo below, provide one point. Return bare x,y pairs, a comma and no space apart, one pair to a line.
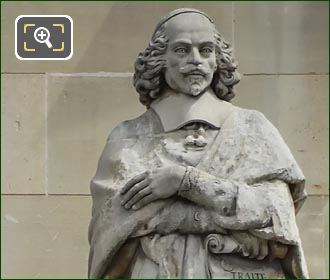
251,122
143,126
249,116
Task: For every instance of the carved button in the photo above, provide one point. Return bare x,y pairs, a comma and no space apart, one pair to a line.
220,192
151,236
196,216
225,210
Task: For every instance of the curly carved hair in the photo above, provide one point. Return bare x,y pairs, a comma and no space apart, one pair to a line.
150,64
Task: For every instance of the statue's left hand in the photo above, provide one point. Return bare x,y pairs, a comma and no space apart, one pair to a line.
149,186
258,248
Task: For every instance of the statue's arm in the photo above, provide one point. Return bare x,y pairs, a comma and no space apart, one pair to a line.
237,203
224,195
229,200
225,203
264,208
252,214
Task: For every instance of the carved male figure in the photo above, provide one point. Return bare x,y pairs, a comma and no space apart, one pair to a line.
195,187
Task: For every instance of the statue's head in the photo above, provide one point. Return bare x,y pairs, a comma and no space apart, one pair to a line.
187,54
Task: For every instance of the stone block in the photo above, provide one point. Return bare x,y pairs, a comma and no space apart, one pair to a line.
107,36
81,113
23,130
44,236
298,106
282,37
313,223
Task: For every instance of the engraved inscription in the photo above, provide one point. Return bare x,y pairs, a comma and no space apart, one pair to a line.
247,275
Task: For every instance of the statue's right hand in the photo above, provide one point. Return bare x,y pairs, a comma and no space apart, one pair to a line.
135,185
149,186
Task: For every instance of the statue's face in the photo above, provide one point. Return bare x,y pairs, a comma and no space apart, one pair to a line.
190,55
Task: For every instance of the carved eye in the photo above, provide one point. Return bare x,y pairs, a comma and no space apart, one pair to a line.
180,50
206,50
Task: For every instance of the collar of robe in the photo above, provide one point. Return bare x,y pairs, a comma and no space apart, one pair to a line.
177,110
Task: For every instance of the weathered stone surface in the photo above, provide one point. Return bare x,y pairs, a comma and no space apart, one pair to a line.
246,135
23,130
240,194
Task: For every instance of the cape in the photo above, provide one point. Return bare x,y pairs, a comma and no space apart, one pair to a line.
248,149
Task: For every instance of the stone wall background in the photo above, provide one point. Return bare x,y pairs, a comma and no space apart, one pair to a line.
56,116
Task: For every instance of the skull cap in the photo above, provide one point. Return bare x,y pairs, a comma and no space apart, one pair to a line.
176,13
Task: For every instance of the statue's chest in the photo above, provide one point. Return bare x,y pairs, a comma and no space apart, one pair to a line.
186,146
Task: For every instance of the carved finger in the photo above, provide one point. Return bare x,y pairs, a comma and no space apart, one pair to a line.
242,239
272,251
141,194
136,179
277,250
245,251
144,201
255,247
263,252
248,245
135,189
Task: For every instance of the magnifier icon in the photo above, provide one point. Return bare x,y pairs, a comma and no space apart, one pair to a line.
41,35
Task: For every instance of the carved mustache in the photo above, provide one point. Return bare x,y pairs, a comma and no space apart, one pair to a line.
192,69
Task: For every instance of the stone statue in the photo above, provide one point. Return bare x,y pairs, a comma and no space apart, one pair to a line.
195,187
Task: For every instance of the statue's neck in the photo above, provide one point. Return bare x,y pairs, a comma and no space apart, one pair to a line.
177,109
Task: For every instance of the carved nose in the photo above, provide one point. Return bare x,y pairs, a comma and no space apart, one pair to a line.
195,57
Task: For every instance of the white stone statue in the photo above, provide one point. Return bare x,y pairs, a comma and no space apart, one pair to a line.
195,187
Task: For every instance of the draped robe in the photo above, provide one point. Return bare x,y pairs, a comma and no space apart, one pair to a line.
248,153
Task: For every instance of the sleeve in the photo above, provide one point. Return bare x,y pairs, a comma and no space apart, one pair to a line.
236,205
104,186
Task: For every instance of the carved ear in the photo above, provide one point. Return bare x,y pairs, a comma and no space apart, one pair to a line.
153,93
